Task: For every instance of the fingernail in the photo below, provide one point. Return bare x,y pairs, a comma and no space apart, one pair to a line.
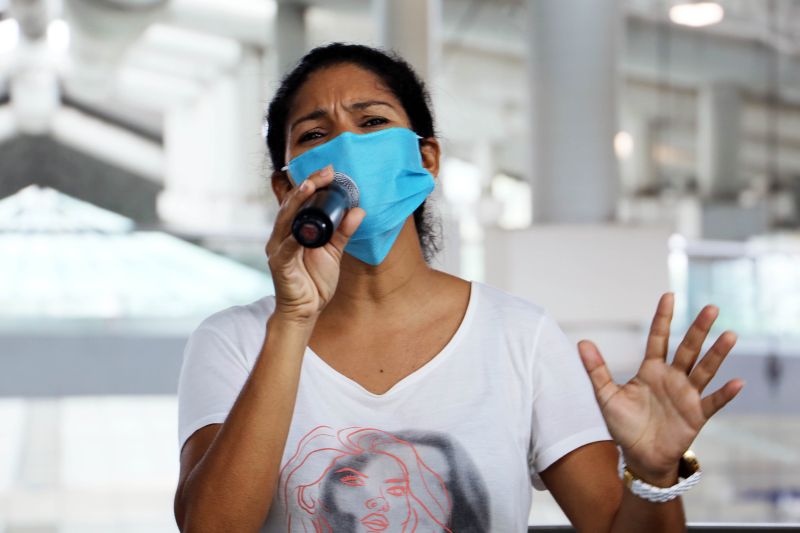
304,186
327,172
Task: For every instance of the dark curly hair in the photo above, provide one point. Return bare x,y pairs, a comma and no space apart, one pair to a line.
398,77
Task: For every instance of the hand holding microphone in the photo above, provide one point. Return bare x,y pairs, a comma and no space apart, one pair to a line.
306,278
320,216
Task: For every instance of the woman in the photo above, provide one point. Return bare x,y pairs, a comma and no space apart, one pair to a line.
362,333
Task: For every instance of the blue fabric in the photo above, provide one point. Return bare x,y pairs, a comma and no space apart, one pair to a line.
387,168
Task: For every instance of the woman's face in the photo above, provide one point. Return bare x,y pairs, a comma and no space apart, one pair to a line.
340,98
374,491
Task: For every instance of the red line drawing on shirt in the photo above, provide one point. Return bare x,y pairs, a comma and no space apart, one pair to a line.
362,479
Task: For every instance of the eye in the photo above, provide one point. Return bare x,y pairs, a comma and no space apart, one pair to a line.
310,136
374,121
398,490
353,481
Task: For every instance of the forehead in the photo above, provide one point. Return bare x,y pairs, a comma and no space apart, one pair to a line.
344,83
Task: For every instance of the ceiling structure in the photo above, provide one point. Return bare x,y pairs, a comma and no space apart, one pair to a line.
176,53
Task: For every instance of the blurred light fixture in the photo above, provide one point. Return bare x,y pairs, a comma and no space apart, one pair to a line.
677,242
623,145
696,14
58,36
514,198
461,182
9,35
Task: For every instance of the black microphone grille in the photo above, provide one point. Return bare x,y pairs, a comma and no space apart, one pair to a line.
347,183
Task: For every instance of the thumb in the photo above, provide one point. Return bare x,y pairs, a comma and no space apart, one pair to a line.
347,228
603,384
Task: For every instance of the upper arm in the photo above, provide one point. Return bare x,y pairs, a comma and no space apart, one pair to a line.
586,486
565,415
191,454
214,370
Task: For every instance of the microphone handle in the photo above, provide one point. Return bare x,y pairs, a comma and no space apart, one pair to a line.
318,218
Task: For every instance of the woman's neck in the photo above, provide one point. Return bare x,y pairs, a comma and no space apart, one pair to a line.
403,281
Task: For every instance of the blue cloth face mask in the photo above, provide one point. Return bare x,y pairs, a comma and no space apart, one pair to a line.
386,166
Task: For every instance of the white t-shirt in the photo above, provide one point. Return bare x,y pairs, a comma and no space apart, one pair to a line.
452,447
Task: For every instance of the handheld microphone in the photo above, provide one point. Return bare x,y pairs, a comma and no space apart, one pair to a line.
318,218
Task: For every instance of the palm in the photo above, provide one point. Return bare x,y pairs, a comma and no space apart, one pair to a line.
655,416
651,415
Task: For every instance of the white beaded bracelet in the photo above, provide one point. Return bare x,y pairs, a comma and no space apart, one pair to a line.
689,474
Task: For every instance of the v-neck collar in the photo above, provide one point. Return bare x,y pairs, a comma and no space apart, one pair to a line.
417,374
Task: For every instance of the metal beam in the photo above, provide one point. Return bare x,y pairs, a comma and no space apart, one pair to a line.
70,364
8,126
690,58
290,35
109,143
247,21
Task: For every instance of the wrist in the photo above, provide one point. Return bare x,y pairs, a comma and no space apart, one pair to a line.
662,478
292,326
294,316
662,472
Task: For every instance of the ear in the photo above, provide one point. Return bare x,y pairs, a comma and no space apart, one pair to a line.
431,153
280,185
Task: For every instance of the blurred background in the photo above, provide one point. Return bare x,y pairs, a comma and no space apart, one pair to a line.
596,154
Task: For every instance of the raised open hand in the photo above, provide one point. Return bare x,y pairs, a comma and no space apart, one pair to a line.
656,415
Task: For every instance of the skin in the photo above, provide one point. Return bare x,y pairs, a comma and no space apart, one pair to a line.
327,299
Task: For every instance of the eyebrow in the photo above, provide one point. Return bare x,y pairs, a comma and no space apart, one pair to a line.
358,106
369,103
314,115
351,470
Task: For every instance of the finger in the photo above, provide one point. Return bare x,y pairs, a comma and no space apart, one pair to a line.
719,399
292,202
658,339
347,228
603,384
322,177
288,209
692,343
283,253
288,248
707,368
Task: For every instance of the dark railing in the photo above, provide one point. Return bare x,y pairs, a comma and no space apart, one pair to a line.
697,528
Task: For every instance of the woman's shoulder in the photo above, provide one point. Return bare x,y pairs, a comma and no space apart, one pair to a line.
488,298
240,320
505,305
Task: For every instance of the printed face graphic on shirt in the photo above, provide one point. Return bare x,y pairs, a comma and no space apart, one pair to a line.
368,480
378,485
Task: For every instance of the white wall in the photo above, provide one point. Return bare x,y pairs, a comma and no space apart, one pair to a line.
598,282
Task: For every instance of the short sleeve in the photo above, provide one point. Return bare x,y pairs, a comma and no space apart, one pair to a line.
212,375
565,413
